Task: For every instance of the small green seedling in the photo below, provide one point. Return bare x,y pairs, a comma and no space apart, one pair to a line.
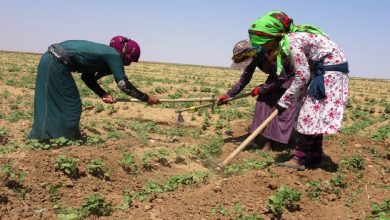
220,210
285,197
129,164
354,163
96,205
13,179
186,179
9,174
3,135
99,107
381,211
97,168
338,180
95,140
68,166
315,189
53,190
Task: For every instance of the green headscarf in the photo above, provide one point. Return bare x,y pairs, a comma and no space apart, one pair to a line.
274,24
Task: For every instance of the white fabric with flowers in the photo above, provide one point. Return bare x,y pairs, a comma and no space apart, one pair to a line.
316,116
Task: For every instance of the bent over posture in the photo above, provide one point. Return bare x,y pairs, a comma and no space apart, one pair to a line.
321,77
57,103
280,129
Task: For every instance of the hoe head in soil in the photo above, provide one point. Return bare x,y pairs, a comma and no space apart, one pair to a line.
180,119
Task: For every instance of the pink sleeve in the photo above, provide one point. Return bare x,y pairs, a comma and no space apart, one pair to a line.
302,73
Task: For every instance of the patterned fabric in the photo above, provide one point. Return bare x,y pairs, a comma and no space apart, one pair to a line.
243,52
316,116
60,55
277,23
270,25
241,48
129,49
118,43
317,87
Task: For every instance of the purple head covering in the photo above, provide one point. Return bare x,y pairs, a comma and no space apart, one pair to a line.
127,48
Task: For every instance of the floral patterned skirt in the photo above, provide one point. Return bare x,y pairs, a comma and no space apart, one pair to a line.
325,116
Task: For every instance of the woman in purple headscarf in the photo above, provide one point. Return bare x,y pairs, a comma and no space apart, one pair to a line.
280,129
57,103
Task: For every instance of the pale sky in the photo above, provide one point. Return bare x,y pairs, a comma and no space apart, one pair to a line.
199,32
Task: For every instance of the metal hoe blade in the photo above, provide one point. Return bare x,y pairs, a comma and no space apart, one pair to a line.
180,119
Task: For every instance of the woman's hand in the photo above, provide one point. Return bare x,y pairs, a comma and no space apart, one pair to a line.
153,100
280,109
107,98
255,91
222,100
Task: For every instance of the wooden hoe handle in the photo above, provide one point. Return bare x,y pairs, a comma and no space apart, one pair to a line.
206,99
249,139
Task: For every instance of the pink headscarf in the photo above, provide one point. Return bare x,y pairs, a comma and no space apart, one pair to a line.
127,48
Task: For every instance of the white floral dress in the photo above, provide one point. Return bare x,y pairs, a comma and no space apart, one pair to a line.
316,116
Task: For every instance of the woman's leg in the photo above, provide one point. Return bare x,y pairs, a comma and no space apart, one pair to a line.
314,154
303,151
57,104
263,143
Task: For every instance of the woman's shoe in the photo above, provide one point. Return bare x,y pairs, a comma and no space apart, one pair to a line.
267,147
294,164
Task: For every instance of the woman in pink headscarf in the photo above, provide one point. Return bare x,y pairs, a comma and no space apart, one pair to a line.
57,103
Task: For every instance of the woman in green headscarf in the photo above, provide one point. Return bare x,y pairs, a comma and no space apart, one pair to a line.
320,83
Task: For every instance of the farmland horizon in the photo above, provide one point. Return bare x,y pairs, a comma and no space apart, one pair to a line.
196,65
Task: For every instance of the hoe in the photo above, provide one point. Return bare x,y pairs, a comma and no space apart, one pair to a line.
207,99
180,119
248,140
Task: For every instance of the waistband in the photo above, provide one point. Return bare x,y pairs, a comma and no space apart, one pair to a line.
60,55
317,86
320,68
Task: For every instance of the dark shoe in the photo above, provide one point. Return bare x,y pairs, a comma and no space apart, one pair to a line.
263,143
314,163
313,159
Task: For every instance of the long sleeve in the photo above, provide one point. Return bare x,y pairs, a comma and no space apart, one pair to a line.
90,80
245,78
117,69
128,88
273,81
302,74
272,84
99,75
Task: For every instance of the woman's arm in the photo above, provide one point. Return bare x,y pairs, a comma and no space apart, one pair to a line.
301,68
116,67
245,78
90,80
273,81
128,88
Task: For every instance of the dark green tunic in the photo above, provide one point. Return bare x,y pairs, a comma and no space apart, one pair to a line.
57,104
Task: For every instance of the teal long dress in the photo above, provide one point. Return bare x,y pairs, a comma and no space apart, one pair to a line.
57,103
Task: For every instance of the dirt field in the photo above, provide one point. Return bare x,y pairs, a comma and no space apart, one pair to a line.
137,163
